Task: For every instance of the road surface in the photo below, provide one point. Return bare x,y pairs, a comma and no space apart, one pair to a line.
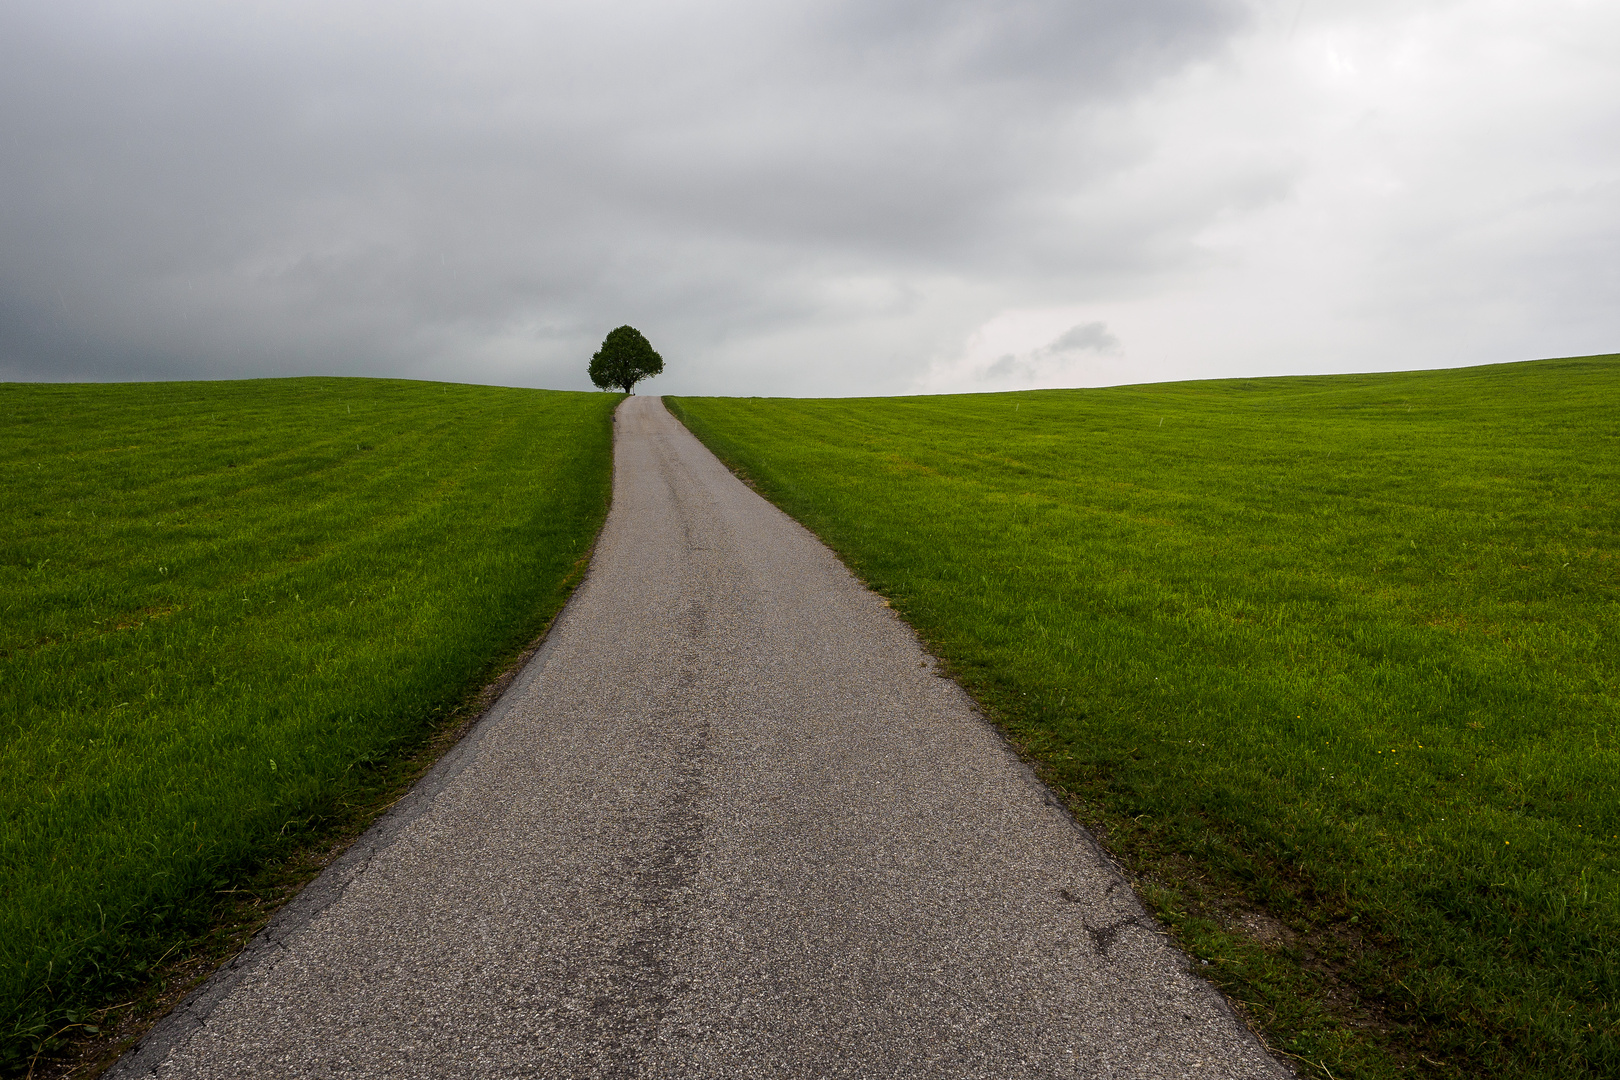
728,823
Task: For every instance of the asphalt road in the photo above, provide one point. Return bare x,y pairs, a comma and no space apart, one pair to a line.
728,823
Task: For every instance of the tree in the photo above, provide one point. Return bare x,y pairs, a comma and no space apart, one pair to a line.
625,358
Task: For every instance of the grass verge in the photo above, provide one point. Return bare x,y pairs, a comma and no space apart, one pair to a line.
232,615
1332,664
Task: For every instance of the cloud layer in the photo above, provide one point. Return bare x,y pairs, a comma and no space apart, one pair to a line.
817,198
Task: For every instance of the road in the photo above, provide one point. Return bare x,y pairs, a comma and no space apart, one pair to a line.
729,822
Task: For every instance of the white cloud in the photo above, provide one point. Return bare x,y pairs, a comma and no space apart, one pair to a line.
1407,187
1027,349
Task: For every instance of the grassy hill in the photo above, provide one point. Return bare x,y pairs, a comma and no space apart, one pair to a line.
224,609
1332,663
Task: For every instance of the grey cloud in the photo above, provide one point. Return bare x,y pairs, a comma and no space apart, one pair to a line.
1006,366
481,191
1093,336
1057,359
1109,44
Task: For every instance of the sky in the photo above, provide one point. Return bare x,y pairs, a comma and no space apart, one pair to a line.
829,198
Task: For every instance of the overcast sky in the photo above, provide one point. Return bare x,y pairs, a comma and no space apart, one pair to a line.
831,197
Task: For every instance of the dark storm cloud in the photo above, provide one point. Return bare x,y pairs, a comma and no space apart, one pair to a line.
478,192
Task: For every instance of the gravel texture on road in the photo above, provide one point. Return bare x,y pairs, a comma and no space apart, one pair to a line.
730,822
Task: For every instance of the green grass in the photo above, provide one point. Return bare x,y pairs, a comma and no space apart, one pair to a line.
1340,650
221,606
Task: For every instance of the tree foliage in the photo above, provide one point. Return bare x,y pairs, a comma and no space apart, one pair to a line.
625,358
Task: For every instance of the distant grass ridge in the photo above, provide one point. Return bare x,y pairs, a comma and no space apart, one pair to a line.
1333,662
220,604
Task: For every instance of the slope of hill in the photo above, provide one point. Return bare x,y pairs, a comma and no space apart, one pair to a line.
1331,663
226,611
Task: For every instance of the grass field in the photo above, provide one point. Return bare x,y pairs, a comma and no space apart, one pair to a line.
221,606
1333,663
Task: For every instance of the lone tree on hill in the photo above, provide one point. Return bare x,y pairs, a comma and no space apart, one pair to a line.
625,358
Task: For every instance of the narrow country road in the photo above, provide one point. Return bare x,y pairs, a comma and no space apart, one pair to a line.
728,823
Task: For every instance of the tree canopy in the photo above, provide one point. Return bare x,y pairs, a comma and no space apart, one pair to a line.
625,358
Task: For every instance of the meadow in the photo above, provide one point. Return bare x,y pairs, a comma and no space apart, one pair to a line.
223,607
1332,665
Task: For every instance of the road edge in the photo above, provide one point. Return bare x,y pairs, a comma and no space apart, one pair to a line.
150,1050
